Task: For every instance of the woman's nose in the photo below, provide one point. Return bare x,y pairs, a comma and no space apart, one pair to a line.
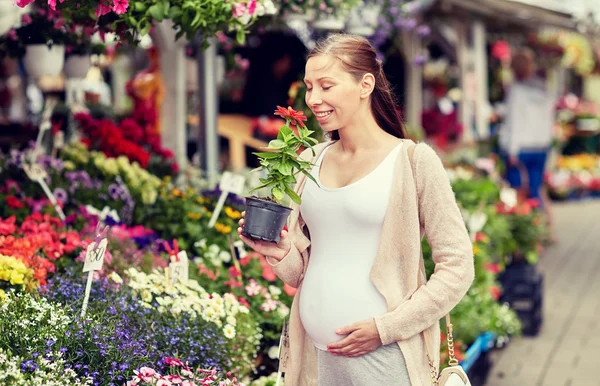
314,99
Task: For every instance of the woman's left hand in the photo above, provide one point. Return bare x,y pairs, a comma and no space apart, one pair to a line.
363,337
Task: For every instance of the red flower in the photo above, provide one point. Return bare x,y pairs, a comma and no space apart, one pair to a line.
268,273
13,202
87,142
288,289
244,303
233,283
234,272
495,291
296,117
493,268
8,226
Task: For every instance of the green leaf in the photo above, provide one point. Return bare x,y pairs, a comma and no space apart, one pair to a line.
267,155
139,6
240,36
307,174
175,12
276,144
293,195
144,26
157,11
166,5
285,169
277,194
132,21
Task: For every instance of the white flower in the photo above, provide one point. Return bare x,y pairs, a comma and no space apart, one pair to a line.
208,314
231,320
270,8
269,305
200,243
229,331
275,291
225,256
283,310
244,310
253,288
114,276
273,352
214,249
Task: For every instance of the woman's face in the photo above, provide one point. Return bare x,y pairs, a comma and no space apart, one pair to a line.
332,93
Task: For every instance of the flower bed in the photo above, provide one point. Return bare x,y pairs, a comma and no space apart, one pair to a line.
229,315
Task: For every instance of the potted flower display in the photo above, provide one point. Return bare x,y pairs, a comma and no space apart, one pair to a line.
265,217
39,41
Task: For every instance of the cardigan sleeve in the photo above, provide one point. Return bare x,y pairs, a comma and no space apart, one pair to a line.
452,253
291,268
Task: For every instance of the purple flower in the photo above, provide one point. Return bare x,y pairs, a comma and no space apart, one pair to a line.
61,195
29,366
419,60
406,24
114,191
423,30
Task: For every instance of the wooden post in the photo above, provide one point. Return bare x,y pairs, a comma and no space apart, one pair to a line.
411,45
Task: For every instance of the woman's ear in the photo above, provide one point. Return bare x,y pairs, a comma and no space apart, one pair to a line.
367,85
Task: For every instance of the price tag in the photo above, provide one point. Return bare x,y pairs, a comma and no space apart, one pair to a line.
35,171
94,257
232,183
179,270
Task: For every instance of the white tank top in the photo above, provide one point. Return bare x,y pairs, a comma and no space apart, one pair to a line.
345,227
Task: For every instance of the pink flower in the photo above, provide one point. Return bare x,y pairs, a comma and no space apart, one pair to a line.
59,23
120,6
23,3
269,305
26,19
146,374
12,34
173,362
102,10
52,4
174,379
134,382
188,383
238,9
163,382
253,288
251,7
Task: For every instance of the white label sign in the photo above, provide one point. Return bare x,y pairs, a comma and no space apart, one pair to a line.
179,270
94,258
35,171
232,183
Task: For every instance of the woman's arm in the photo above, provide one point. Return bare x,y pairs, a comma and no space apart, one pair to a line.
452,253
290,268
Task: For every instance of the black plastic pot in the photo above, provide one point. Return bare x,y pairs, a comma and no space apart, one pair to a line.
264,220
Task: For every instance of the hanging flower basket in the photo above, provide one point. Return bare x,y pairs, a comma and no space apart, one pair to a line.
77,66
41,60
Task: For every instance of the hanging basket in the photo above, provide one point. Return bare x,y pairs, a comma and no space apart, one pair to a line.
41,60
77,66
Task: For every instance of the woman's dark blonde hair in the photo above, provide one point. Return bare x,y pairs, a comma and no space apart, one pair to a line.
523,64
358,57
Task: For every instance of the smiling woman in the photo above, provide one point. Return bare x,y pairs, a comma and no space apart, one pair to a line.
336,61
362,314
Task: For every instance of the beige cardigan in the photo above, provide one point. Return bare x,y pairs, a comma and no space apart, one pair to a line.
413,310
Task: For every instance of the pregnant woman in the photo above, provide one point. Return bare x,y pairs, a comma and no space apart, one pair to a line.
364,313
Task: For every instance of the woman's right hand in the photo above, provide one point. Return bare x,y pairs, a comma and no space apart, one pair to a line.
276,251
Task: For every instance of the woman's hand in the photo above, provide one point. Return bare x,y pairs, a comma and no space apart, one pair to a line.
363,337
275,251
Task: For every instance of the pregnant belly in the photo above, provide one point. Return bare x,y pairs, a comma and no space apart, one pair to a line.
330,300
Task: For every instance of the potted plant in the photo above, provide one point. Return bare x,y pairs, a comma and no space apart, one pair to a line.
266,217
39,41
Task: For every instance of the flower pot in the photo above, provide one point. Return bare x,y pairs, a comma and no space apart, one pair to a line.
264,220
41,60
329,22
363,20
77,66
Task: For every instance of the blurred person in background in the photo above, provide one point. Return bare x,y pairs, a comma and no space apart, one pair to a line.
526,135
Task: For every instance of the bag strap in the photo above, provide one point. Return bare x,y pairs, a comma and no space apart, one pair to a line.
452,361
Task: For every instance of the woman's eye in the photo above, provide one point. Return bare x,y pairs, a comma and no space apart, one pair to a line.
327,88
308,89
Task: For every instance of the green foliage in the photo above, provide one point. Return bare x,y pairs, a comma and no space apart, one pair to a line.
282,162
